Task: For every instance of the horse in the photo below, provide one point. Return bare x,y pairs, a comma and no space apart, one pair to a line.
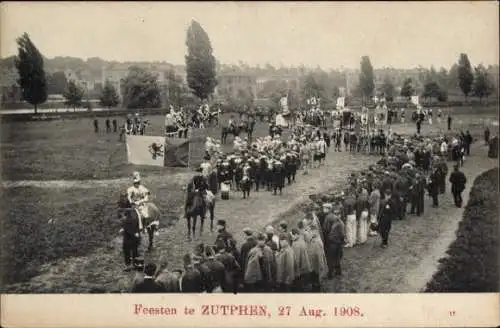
197,204
150,223
227,130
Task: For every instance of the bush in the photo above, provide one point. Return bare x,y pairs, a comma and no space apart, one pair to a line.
472,261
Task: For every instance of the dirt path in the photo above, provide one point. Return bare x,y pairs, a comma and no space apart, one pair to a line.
418,277
415,245
88,184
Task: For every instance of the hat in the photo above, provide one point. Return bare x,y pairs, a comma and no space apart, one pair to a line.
269,229
247,232
283,224
221,222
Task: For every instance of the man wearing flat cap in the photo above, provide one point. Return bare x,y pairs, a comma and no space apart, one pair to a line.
334,231
247,245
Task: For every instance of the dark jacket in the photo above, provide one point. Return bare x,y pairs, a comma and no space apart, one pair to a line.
458,181
148,285
245,249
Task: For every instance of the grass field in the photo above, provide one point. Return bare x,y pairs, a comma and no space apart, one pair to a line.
82,238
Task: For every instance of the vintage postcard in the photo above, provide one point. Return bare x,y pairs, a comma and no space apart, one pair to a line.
234,164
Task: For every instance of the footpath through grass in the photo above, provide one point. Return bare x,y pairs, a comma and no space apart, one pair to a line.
472,261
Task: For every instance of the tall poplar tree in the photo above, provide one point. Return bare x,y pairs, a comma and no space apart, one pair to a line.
32,79
200,62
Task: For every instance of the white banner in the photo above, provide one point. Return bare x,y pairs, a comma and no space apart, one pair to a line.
340,102
414,100
146,150
284,104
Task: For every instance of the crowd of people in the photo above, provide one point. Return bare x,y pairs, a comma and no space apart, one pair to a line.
298,257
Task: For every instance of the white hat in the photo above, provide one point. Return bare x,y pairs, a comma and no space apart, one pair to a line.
136,176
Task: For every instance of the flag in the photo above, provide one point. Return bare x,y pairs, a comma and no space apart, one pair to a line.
157,151
340,102
414,100
284,104
177,152
145,150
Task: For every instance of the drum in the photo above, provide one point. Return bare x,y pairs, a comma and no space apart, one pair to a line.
224,191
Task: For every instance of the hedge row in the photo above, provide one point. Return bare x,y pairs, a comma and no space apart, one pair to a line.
472,261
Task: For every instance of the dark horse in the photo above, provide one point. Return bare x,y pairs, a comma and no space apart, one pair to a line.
198,202
236,130
150,224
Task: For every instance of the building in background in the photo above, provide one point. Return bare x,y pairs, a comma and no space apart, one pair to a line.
232,84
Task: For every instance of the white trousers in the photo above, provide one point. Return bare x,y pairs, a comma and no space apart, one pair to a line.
373,219
363,227
350,230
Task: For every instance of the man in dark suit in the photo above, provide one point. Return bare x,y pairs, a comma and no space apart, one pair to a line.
458,181
148,285
389,210
131,239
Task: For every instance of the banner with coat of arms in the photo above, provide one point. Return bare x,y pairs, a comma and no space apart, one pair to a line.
157,151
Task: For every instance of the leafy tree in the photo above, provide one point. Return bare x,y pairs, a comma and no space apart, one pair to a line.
73,95
388,89
366,84
200,62
57,83
311,87
174,89
407,89
140,89
442,95
465,75
109,97
431,90
29,64
483,87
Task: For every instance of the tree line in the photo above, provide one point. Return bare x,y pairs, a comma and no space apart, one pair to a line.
471,81
139,89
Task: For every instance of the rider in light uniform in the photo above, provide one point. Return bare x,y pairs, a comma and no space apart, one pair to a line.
138,195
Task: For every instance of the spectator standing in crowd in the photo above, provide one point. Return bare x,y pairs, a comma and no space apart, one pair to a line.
168,280
487,136
272,240
362,206
285,265
374,202
388,212
316,252
249,243
302,266
467,142
226,238
433,186
96,125
115,126
450,120
258,272
458,181
334,230
148,285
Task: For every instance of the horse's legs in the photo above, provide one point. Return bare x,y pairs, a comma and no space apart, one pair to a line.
211,209
189,227
195,219
202,222
151,231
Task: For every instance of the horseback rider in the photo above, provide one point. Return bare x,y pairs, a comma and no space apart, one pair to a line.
138,196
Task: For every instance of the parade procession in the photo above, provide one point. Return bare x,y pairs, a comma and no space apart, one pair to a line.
409,168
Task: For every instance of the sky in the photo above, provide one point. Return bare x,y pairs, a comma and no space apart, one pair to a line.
329,35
